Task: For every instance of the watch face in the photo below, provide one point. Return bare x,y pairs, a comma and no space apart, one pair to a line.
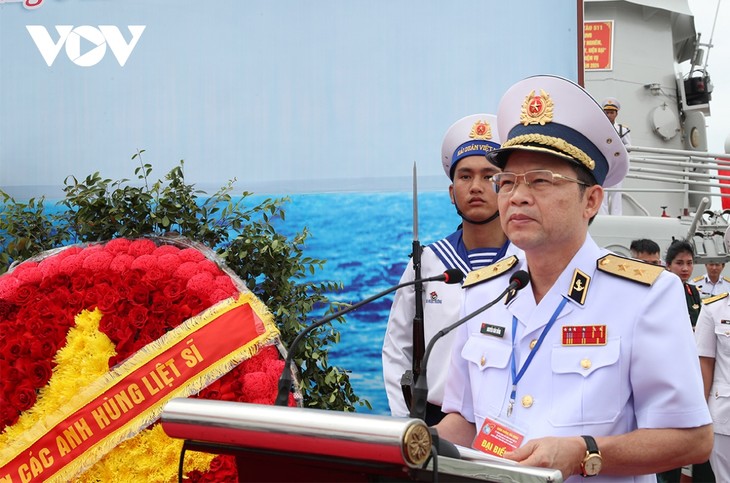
592,465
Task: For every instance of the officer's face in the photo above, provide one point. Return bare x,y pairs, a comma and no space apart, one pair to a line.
652,258
555,221
714,270
472,189
682,266
611,114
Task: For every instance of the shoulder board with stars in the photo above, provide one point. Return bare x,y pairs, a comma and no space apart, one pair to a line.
697,279
715,298
631,269
490,271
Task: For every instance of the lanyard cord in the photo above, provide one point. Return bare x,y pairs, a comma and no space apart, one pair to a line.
517,376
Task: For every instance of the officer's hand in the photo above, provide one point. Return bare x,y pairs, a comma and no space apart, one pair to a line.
564,454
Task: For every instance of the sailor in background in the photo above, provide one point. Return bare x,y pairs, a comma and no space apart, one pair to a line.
591,369
712,283
713,345
478,243
612,203
611,106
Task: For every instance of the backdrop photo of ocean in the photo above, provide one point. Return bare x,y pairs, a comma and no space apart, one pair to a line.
366,239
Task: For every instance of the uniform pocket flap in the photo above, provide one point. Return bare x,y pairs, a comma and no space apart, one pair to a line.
486,352
584,359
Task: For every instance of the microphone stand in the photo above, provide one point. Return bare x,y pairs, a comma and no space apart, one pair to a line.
418,338
420,389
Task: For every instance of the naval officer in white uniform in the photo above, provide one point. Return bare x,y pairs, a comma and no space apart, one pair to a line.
591,368
713,344
478,243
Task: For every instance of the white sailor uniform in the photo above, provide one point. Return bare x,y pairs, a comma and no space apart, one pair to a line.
643,371
440,309
713,340
707,288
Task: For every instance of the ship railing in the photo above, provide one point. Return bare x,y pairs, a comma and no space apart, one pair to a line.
693,172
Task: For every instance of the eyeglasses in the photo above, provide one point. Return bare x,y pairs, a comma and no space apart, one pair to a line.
539,180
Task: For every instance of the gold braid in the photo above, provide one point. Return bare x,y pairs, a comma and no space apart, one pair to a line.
557,143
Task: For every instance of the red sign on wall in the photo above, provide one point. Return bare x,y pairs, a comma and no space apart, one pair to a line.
598,45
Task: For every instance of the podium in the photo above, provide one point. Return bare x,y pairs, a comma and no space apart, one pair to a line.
273,443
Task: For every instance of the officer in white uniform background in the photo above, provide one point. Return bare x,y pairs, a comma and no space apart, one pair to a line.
612,203
591,368
712,282
478,243
713,345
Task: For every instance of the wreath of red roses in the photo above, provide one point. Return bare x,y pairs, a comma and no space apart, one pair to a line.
144,288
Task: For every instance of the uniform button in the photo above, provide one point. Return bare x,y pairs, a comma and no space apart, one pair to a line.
527,401
483,361
585,363
533,342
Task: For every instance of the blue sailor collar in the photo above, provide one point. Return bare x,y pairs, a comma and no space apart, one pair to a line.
453,253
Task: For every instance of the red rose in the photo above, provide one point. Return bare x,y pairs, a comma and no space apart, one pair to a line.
160,303
42,349
10,374
8,414
139,294
107,300
22,294
173,289
16,346
23,397
137,317
195,303
40,373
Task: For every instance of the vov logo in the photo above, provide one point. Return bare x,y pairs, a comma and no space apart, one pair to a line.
96,38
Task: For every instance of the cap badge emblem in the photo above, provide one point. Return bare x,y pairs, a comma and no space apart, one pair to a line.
481,130
537,109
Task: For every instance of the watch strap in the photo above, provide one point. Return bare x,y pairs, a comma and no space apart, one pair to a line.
591,453
591,445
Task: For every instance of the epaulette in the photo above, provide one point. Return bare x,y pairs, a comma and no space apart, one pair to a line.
629,268
714,298
490,271
697,279
726,279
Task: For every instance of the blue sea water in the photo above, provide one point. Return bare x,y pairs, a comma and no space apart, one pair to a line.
366,239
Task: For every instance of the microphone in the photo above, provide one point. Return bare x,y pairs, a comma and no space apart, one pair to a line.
517,281
450,276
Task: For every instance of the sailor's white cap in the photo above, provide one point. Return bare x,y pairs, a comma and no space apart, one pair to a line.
473,135
611,103
556,116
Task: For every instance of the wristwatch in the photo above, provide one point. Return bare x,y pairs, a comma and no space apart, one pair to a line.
592,462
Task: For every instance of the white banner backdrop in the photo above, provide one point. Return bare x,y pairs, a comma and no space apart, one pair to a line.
286,96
